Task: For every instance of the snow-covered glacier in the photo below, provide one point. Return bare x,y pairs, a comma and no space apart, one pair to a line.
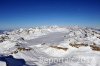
50,46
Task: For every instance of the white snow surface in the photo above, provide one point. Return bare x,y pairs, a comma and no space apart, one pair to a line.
40,40
2,63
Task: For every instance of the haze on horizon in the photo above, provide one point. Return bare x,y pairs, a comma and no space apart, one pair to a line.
30,13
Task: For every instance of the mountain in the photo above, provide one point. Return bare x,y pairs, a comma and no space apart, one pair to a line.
52,46
4,31
1,31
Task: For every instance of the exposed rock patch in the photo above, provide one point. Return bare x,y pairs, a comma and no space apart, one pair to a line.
65,49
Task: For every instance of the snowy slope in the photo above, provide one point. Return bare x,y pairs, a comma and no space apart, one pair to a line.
53,46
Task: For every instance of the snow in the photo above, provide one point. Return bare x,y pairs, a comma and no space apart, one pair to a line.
6,45
55,52
2,63
42,39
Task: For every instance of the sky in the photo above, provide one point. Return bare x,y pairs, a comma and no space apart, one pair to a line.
31,13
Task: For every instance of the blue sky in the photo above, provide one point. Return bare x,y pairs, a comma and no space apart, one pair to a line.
30,13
